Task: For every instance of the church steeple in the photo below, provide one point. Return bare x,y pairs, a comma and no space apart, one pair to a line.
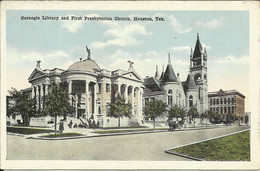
198,48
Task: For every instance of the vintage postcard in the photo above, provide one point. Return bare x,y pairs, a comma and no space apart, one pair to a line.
130,85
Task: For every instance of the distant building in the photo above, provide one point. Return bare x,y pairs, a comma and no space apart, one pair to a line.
227,102
190,93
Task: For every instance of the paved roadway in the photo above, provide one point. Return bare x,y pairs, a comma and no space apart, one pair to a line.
149,146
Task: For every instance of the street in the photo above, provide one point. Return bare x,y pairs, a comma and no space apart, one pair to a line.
150,146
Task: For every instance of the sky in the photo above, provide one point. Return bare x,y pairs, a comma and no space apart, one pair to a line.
58,44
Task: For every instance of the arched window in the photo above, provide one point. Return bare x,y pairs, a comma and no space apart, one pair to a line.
197,77
169,91
190,101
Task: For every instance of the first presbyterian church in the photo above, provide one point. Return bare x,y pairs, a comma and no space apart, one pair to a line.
92,88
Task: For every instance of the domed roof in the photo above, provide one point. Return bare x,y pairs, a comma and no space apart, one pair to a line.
85,65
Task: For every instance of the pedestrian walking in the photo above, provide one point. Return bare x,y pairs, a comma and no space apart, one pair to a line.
61,128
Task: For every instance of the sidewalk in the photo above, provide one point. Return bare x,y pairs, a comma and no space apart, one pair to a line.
91,133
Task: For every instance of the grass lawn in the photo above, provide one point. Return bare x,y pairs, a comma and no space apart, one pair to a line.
27,131
128,130
230,148
69,134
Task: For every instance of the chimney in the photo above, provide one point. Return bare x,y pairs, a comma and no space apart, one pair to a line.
80,59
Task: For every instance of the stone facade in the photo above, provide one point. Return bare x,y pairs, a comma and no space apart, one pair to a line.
91,89
186,94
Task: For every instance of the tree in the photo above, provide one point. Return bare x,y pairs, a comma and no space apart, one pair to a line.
24,106
193,112
57,104
118,109
206,115
154,109
174,112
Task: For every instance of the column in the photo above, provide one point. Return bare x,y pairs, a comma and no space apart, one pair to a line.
133,100
118,89
76,105
95,99
70,90
37,97
126,93
33,92
41,94
46,89
139,101
87,100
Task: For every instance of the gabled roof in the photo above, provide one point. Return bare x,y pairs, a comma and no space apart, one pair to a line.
36,73
198,48
152,84
169,75
190,83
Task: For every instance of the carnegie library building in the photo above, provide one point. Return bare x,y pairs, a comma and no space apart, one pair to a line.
92,88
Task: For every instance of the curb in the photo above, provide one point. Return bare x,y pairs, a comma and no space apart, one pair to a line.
115,134
194,158
92,136
183,155
110,134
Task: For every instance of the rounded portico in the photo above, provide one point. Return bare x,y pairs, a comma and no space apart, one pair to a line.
80,80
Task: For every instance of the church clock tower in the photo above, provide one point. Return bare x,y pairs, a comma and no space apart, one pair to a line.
198,69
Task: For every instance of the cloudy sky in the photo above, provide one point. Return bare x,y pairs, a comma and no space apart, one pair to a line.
59,44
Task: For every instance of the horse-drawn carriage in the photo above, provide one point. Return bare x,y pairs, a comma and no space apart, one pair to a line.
174,125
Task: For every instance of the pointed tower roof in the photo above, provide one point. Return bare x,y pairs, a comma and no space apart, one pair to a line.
161,77
190,83
198,48
169,75
156,73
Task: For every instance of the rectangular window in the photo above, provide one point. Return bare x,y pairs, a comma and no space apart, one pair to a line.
225,101
228,100
107,87
221,101
221,110
214,101
211,109
217,101
233,100
225,109
229,109
217,109
210,101
233,109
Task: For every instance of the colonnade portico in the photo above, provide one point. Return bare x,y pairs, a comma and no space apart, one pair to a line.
130,96
39,93
89,103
